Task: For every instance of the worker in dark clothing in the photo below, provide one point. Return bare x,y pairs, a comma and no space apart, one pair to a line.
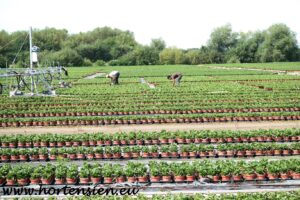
1,88
114,76
65,70
176,77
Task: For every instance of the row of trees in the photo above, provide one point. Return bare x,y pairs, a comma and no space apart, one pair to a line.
116,47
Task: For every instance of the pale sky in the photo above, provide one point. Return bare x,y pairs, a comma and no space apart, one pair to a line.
181,23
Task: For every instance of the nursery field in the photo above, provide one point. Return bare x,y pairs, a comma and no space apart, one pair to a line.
205,95
156,163
199,163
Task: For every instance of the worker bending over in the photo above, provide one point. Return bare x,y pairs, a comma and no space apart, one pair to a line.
114,76
176,77
1,88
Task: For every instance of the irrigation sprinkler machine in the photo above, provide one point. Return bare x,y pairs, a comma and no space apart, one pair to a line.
34,80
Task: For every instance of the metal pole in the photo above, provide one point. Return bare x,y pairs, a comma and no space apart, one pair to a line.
30,54
30,47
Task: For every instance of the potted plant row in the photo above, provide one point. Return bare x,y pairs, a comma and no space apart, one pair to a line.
175,118
148,138
154,151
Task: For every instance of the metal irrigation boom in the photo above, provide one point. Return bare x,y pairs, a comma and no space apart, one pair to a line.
38,81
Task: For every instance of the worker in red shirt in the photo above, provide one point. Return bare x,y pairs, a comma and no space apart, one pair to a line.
176,78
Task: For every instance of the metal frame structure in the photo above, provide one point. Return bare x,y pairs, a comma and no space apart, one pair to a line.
31,81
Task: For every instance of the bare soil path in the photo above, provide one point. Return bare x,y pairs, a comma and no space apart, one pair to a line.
101,74
294,73
154,127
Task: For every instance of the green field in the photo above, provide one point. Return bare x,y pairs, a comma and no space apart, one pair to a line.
205,92
182,159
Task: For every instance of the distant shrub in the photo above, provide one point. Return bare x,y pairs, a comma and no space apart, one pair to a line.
67,57
87,62
113,63
99,63
234,59
19,64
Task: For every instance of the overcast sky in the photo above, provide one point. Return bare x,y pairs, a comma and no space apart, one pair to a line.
180,23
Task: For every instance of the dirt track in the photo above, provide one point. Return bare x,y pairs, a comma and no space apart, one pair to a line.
294,73
156,127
